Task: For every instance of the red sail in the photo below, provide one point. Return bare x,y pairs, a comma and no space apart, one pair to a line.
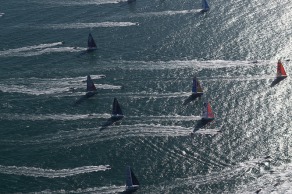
210,112
280,70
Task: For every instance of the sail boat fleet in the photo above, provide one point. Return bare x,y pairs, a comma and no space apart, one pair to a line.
132,183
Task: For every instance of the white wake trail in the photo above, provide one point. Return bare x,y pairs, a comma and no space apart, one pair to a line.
90,25
50,173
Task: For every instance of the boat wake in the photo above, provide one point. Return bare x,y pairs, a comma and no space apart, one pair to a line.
2,14
50,173
208,131
83,3
39,50
152,95
84,136
183,64
90,25
70,117
73,86
164,118
60,117
166,13
230,172
238,78
278,180
101,190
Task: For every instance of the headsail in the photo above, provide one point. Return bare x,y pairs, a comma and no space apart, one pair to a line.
132,182
280,70
91,43
196,86
90,85
134,179
207,111
117,111
205,6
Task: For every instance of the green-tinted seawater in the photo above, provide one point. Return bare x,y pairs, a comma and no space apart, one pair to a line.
147,55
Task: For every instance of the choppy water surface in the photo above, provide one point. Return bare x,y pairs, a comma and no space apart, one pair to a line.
148,53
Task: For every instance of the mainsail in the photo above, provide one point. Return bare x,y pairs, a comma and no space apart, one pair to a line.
207,111
91,43
90,85
196,86
117,111
132,182
280,70
205,6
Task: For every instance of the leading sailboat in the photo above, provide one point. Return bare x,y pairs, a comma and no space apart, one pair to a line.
132,183
205,6
281,73
208,114
91,45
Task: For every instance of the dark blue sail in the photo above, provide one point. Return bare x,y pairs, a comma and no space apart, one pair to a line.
90,85
128,177
117,111
134,179
205,6
117,115
132,183
194,88
91,43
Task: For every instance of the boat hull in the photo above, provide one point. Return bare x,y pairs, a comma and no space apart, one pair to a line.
207,119
90,94
277,80
132,188
204,10
116,117
196,95
192,97
90,49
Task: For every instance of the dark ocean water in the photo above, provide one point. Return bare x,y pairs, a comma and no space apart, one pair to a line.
148,53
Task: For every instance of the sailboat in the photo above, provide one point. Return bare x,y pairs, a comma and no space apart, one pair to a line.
205,6
91,45
90,89
117,113
132,183
197,91
208,114
281,73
